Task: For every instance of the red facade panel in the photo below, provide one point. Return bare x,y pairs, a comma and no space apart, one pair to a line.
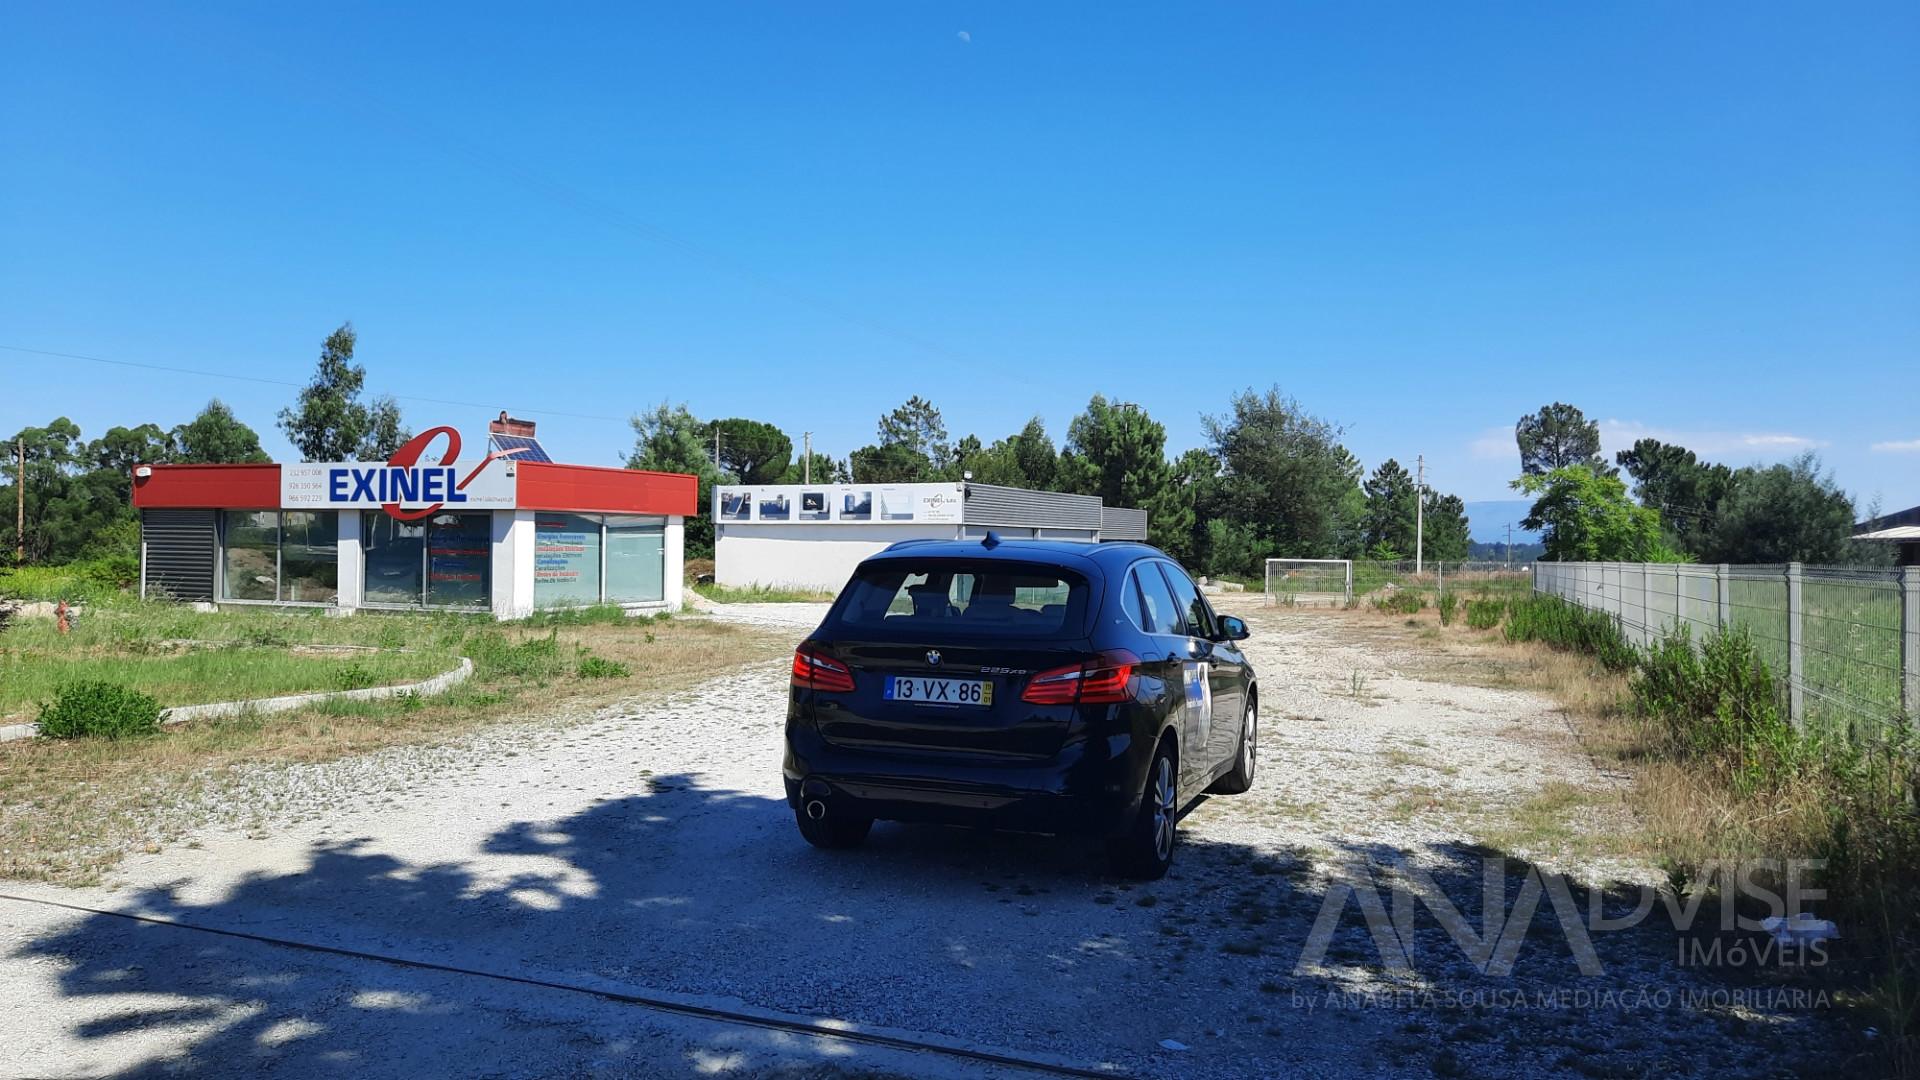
592,489
209,487
578,488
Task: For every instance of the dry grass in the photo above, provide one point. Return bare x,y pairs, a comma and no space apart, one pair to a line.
1564,819
68,810
1689,814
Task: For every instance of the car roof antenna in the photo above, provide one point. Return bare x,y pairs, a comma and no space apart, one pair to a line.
991,540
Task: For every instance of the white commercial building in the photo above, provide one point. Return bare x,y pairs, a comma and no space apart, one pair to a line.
508,530
811,536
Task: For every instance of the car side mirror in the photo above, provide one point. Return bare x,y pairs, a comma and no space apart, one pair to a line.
1232,629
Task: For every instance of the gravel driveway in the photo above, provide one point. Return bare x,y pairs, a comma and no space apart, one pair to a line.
647,850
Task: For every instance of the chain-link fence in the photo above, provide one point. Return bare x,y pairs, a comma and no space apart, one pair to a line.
1325,582
1844,642
1372,577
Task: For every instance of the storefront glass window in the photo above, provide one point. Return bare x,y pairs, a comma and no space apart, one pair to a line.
459,558
252,554
394,558
309,557
636,559
566,560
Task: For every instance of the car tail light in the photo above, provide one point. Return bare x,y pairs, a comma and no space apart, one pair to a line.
816,672
1104,679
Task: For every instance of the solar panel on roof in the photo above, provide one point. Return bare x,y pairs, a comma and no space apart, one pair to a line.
529,447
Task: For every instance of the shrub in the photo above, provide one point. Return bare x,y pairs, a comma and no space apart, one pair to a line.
599,667
110,573
92,707
1719,698
1560,625
1485,613
1448,603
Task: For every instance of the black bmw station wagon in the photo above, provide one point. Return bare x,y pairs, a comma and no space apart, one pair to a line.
1032,685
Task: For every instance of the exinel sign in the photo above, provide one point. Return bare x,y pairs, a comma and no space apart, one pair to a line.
402,487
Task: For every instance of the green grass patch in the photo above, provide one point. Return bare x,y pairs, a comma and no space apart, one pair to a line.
589,615
180,656
761,594
33,672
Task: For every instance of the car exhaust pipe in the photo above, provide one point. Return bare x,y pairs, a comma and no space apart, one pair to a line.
816,810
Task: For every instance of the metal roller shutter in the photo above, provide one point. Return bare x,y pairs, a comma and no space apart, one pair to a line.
181,550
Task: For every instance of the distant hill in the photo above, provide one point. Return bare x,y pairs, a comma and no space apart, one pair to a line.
1522,553
1487,521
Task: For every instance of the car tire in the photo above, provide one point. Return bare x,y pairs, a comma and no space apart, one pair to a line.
1240,779
1145,850
833,832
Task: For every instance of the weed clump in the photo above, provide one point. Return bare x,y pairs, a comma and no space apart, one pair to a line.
537,659
1717,699
1401,602
353,676
599,667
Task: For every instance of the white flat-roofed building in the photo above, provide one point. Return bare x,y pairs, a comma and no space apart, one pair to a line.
811,536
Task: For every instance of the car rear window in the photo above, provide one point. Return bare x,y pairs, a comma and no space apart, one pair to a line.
965,598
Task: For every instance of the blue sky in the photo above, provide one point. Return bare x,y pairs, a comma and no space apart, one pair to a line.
1695,221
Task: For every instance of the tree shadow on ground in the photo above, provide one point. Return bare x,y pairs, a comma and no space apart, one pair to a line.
1017,942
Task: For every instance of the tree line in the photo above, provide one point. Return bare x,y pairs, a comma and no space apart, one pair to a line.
1683,508
1273,480
79,498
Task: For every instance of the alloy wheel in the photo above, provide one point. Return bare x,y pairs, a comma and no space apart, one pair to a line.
1163,799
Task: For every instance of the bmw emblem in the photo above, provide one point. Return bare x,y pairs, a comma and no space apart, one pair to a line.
933,657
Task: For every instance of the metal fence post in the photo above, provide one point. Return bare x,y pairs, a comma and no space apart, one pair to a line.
1910,644
1723,592
1646,605
1796,651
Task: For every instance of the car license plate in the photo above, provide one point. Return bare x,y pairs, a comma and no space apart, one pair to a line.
939,691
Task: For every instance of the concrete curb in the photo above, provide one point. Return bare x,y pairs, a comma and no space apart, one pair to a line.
181,714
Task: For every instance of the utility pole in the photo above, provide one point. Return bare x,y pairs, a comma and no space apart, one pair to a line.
20,505
716,444
806,457
1419,512
1509,547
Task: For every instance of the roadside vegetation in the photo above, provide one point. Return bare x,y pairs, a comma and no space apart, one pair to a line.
74,805
183,657
761,594
1721,777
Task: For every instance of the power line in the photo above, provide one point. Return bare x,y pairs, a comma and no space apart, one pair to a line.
299,385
